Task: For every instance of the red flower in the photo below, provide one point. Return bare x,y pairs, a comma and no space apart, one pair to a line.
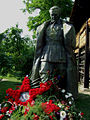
36,117
26,110
49,107
18,86
10,111
14,95
51,117
1,116
4,109
32,103
48,72
46,86
11,100
55,77
81,113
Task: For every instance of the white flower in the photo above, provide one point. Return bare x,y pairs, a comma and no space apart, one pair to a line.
7,113
0,106
63,90
70,102
66,96
15,105
79,114
69,94
72,98
63,114
26,75
60,105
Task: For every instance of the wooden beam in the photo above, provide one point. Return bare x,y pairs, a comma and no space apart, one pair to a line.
86,73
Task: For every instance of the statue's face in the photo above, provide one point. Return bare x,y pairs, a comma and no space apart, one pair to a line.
55,14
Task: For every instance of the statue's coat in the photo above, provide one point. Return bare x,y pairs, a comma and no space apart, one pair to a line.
69,43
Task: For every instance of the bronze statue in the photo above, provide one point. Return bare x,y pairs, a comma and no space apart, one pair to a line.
54,50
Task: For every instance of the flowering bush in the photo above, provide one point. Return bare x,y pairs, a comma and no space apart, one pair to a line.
36,104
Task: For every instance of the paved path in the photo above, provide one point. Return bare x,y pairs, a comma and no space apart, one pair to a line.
84,90
3,79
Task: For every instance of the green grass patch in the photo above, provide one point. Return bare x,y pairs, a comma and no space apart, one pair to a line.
83,105
8,82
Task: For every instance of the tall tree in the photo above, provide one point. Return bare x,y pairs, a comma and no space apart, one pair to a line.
16,52
44,6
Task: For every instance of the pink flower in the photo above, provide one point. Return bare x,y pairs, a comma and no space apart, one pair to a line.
32,103
63,102
10,111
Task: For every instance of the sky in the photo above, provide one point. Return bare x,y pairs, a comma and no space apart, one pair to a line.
10,15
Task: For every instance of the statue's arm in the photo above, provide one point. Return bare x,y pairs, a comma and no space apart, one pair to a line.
40,34
73,38
39,44
70,42
36,62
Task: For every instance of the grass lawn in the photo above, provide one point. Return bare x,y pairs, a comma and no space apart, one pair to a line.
82,104
8,82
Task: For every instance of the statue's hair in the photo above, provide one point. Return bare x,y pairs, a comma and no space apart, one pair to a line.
55,8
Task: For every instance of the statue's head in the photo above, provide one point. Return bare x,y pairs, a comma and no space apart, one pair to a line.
55,13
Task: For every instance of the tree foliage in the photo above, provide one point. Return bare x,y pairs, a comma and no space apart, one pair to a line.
16,52
44,6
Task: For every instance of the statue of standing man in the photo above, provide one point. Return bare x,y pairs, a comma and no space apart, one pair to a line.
54,50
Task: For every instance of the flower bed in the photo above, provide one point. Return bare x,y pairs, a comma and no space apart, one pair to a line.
41,103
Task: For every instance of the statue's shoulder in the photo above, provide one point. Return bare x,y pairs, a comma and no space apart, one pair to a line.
67,26
43,25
